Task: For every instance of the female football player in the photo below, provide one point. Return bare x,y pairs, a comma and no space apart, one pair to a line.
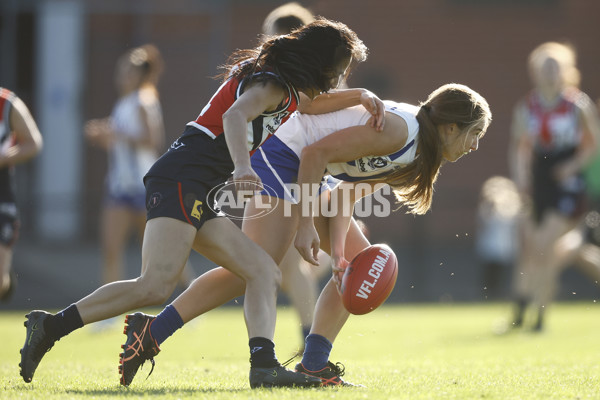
406,155
20,140
133,137
555,133
260,90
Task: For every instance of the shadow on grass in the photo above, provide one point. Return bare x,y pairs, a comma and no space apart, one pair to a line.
124,392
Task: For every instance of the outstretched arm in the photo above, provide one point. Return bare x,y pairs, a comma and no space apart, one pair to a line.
339,99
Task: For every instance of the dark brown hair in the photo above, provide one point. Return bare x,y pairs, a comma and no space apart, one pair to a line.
306,58
451,103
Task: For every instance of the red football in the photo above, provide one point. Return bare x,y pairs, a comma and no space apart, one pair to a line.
369,279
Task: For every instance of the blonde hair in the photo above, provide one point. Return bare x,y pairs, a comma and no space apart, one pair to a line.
564,54
148,59
284,19
451,103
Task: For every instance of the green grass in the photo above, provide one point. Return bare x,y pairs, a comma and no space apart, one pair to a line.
398,352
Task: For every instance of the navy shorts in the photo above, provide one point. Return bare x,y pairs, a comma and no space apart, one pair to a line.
187,201
182,183
9,224
568,198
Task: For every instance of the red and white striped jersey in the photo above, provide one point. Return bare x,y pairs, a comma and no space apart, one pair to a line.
555,128
210,119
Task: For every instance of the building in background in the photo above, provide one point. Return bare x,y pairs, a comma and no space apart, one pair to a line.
59,55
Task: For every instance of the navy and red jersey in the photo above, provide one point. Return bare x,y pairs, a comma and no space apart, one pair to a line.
210,119
556,134
7,139
554,129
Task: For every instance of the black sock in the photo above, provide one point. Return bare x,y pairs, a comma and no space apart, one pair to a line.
262,353
540,320
63,323
520,306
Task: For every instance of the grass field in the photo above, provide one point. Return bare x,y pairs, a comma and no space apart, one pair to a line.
398,352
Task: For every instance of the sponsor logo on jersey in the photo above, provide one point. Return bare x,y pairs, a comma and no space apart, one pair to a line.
154,201
274,123
377,162
177,145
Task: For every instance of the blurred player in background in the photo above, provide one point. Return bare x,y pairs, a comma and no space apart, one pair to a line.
133,136
497,242
261,88
554,136
285,18
444,128
20,140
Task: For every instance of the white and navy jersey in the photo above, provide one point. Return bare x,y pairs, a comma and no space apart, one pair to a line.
210,119
305,130
127,164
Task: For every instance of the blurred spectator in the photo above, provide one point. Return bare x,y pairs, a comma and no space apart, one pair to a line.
496,241
555,129
20,140
133,136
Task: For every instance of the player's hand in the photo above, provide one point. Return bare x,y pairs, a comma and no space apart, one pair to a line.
308,243
563,171
375,106
338,267
99,132
245,179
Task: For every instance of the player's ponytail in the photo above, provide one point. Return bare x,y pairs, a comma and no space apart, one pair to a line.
413,184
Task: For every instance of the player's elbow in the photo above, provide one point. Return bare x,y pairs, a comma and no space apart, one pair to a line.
233,114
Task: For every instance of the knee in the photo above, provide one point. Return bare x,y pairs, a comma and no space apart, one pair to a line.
154,291
266,271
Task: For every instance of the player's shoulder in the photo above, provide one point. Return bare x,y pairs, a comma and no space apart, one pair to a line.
148,96
579,98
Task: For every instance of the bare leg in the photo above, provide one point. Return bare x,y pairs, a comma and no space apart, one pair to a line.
5,265
553,237
116,227
588,261
166,247
219,286
221,241
299,285
525,265
330,313
209,291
